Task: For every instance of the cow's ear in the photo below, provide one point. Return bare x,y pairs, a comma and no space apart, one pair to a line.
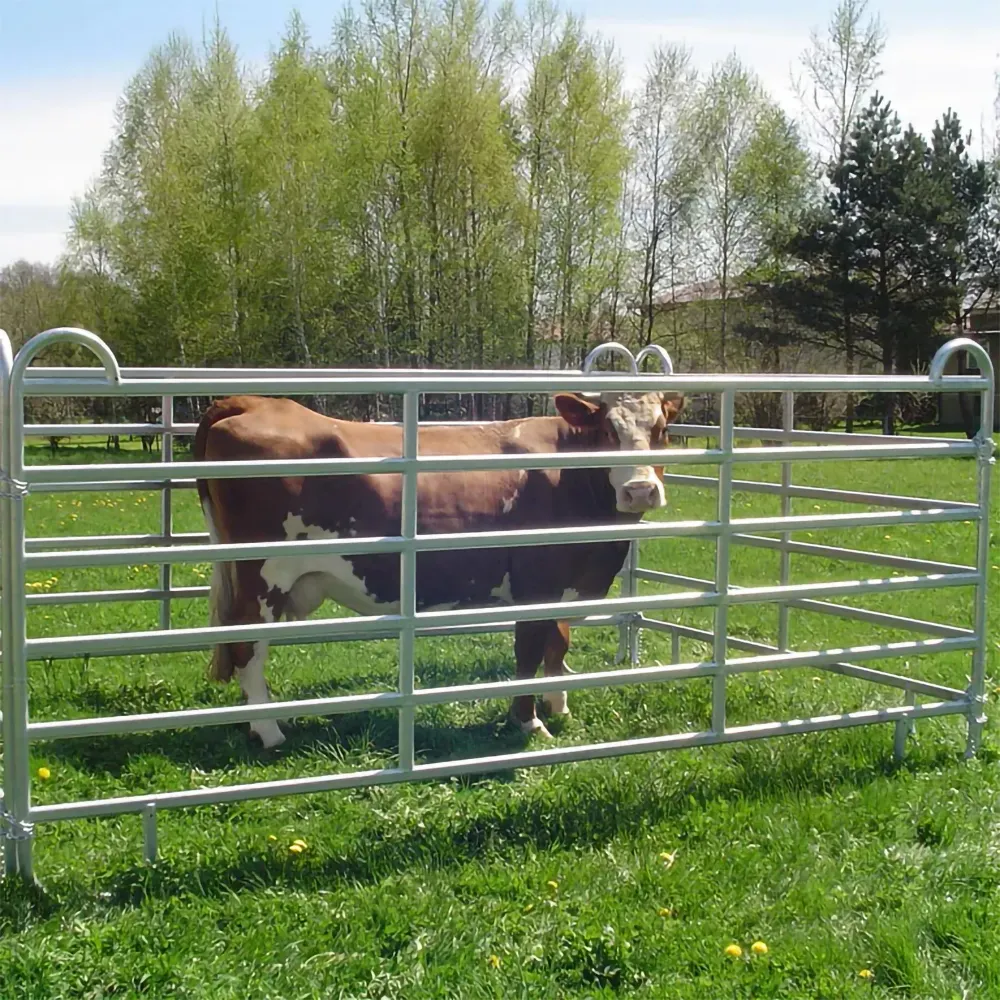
577,412
673,406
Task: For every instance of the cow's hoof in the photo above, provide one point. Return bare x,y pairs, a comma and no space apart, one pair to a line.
535,727
268,733
555,703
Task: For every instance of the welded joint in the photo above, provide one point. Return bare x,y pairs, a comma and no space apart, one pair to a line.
12,828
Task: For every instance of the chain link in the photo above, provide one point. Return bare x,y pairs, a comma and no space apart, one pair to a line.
14,829
12,489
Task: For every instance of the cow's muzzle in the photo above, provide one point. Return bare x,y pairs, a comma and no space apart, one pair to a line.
640,495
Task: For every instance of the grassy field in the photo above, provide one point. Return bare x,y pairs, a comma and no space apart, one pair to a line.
626,877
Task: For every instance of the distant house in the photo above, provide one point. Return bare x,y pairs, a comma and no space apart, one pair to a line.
982,324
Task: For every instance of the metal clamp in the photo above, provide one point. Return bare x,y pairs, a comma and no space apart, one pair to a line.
985,447
12,489
14,829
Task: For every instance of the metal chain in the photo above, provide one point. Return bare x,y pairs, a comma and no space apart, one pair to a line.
12,489
14,829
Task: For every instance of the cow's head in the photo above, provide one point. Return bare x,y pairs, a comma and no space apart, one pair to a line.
627,422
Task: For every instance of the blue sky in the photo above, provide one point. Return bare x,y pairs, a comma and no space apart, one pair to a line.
64,62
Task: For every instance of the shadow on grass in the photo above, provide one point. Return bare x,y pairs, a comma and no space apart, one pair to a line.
222,746
585,806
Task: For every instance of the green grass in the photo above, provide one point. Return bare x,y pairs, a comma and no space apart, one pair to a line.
818,845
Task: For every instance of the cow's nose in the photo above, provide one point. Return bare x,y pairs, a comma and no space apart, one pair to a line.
640,494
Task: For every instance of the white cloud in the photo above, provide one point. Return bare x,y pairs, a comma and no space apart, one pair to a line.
54,133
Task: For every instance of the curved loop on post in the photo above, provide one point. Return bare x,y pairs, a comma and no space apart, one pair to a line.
945,351
611,347
6,360
655,351
67,335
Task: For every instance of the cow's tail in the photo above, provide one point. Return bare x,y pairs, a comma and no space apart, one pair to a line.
222,593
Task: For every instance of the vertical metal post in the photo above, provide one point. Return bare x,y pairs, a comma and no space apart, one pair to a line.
631,565
984,467
166,509
902,730
8,708
628,641
408,577
149,835
788,425
721,630
17,828
15,811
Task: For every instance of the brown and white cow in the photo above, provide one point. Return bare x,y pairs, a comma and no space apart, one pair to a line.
349,506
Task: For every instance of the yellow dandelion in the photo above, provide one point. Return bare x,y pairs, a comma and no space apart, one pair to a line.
301,843
887,537
552,884
44,773
271,837
668,857
734,950
528,908
866,974
494,961
759,948
664,911
296,848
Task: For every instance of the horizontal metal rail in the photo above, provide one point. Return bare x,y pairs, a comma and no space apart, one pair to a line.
481,765
64,647
676,430
818,437
834,552
104,430
820,607
121,486
113,596
287,468
883,677
547,383
394,700
819,493
55,543
237,551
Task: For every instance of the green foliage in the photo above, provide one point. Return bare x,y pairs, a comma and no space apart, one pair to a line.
889,256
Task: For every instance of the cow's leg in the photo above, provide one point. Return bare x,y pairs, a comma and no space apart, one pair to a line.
529,648
255,692
556,646
236,602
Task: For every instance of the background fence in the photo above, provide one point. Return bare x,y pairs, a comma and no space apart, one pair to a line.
632,612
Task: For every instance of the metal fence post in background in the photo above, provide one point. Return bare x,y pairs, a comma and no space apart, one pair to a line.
408,577
166,509
788,425
721,628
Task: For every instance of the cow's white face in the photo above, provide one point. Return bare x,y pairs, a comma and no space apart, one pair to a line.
627,422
